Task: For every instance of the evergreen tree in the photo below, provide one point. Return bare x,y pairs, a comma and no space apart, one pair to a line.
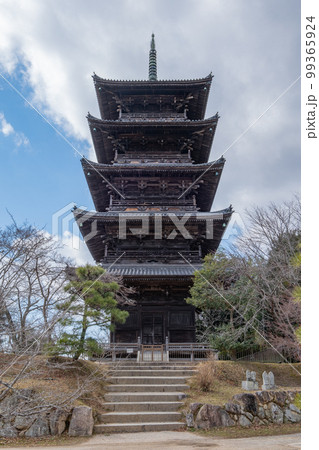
227,299
92,303
248,297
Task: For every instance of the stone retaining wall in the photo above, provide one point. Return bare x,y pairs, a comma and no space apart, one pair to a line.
22,414
258,408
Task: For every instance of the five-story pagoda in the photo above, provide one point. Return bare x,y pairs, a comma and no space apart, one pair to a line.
153,189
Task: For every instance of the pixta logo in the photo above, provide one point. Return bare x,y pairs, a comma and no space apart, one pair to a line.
65,228
178,224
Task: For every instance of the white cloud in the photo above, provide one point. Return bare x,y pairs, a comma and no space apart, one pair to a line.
74,248
21,140
5,127
252,47
7,130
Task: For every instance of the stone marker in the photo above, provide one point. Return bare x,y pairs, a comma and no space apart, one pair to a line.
268,381
253,376
271,380
250,384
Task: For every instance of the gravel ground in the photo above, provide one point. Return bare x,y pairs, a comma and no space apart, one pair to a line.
173,440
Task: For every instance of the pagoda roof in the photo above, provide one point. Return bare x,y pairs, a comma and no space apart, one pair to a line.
83,215
105,131
95,235
110,93
149,271
96,175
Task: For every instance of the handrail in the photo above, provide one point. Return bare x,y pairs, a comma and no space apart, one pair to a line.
191,350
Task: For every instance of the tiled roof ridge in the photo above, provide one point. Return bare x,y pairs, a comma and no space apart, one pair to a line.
209,77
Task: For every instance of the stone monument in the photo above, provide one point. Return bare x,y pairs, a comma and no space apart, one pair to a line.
268,381
250,384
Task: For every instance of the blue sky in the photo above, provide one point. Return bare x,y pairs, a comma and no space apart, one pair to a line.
40,172
50,49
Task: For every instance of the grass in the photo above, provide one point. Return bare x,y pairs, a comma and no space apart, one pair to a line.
59,377
65,379
41,441
228,377
297,401
253,431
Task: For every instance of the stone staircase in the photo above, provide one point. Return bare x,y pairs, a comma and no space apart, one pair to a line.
145,397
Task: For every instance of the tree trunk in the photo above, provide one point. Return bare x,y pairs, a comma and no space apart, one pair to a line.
80,348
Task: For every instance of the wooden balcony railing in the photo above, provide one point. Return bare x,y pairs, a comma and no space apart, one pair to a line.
169,351
147,254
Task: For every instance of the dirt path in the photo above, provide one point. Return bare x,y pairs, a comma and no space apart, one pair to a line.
173,440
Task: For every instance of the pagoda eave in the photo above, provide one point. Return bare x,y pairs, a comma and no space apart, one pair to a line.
94,227
82,215
97,176
110,93
118,124
106,134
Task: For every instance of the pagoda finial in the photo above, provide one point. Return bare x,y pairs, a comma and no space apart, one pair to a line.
152,68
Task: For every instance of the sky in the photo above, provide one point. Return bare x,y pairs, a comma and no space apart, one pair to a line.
49,50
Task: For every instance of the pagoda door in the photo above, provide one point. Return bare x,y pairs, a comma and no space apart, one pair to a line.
152,328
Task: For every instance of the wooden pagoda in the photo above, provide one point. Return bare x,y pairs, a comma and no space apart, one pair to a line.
152,146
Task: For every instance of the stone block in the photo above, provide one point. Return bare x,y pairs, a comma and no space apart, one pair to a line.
23,422
195,407
249,416
276,413
247,401
232,408
291,416
249,385
81,421
258,421
8,430
39,428
244,421
280,397
264,396
190,420
261,412
294,408
210,416
57,421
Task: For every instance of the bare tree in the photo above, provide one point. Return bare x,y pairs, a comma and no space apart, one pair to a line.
32,277
247,295
33,281
272,243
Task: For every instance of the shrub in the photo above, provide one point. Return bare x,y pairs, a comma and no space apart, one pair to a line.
204,379
297,401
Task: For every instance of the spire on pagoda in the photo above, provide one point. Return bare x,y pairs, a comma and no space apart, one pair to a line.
152,68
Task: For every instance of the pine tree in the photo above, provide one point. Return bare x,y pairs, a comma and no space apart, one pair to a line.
92,303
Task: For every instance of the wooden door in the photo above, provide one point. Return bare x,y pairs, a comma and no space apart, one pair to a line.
152,329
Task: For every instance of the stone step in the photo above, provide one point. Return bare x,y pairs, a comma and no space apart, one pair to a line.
152,373
143,406
150,368
148,380
147,387
144,397
138,427
138,417
144,364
